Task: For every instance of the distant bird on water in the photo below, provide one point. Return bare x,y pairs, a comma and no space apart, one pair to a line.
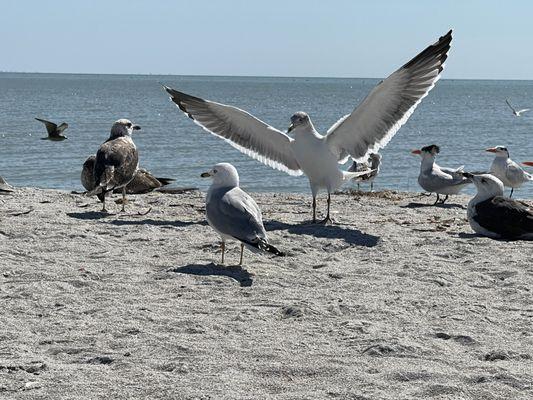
367,129
517,113
142,182
54,131
506,170
493,215
116,162
233,214
372,164
436,179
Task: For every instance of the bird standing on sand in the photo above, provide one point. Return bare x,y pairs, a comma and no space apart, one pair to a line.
142,182
116,162
54,131
517,113
506,170
367,129
490,214
439,180
232,213
372,164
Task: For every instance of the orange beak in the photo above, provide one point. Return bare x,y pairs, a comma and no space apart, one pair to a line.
492,150
528,163
416,152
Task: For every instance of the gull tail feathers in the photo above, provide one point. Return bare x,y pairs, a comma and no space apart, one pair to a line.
262,244
347,175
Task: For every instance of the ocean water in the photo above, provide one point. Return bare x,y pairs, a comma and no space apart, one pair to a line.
462,116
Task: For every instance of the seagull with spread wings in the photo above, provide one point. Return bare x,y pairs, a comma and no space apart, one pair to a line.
54,131
367,129
517,113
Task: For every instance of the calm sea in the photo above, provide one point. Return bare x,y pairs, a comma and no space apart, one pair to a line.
462,116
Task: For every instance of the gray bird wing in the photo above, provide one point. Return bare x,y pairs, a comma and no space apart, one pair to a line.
116,163
50,126
505,216
87,173
61,128
240,129
233,212
389,105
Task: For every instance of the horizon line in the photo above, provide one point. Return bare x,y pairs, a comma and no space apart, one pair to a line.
243,76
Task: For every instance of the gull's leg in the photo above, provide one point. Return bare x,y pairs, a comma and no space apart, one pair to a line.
327,219
438,198
103,205
314,209
443,201
511,195
223,249
371,186
242,251
358,187
123,198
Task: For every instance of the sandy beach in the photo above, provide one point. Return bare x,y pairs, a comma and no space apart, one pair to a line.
396,300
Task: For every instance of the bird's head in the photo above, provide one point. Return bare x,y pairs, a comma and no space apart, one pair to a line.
223,174
123,127
431,150
299,119
487,185
499,151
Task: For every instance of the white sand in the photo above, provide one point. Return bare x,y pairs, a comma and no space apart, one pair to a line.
392,302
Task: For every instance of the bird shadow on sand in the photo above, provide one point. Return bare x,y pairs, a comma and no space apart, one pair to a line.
235,272
155,222
422,205
90,215
351,236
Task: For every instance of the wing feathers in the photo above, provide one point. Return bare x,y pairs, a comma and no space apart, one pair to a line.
242,130
388,106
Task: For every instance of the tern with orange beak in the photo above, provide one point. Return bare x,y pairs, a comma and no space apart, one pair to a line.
436,179
506,170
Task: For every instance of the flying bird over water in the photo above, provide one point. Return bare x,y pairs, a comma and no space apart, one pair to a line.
436,179
493,215
506,170
116,161
367,129
517,113
233,214
143,181
372,164
54,131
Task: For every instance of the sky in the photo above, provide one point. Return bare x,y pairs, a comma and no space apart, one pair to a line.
264,38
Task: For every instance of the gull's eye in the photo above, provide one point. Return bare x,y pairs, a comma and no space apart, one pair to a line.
214,171
483,180
128,124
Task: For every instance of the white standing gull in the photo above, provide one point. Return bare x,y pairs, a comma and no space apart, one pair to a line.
517,113
506,170
232,213
367,129
436,179
493,215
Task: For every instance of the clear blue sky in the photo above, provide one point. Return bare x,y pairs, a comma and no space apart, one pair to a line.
270,37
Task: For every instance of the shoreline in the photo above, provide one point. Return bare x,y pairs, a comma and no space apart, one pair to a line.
397,299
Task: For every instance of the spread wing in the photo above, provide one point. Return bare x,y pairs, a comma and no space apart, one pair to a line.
507,217
240,129
61,127
510,106
388,106
50,126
